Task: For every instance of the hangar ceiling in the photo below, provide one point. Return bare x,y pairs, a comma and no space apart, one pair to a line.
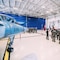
35,8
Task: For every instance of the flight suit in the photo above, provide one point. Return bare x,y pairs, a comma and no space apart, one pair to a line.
53,35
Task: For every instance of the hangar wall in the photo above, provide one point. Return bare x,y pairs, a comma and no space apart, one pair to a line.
31,21
53,21
35,22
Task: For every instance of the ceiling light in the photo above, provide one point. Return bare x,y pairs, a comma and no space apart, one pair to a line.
47,11
19,0
15,8
43,6
2,6
51,10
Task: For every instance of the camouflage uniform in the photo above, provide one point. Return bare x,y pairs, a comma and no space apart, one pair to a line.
53,35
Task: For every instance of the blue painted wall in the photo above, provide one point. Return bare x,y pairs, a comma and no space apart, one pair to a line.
36,22
31,21
41,23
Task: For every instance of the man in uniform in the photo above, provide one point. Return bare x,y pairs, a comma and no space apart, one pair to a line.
53,34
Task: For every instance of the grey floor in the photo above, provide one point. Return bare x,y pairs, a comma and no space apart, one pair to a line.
34,46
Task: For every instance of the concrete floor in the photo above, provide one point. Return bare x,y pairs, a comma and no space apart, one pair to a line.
3,43
34,46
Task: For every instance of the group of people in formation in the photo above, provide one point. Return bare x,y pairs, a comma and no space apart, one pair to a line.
55,34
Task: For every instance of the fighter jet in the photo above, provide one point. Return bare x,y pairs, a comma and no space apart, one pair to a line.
9,27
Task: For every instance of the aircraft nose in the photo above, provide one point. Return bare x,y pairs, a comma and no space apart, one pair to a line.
2,30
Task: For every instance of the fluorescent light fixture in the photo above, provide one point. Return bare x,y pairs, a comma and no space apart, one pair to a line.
47,11
43,6
7,8
19,0
15,8
2,6
51,10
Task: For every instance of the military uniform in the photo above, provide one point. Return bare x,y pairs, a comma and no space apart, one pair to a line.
59,37
47,34
53,35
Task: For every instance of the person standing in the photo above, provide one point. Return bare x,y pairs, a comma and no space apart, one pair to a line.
53,35
47,34
59,37
57,34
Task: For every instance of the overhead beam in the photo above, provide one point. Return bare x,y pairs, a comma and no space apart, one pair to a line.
55,3
3,2
10,4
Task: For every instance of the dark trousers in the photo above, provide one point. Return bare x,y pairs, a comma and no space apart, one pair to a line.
57,37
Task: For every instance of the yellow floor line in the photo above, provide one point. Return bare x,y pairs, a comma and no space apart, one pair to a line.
6,55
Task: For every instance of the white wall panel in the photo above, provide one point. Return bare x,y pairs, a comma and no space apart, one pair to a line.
54,21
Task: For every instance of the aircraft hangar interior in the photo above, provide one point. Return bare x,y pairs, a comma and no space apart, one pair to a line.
29,29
